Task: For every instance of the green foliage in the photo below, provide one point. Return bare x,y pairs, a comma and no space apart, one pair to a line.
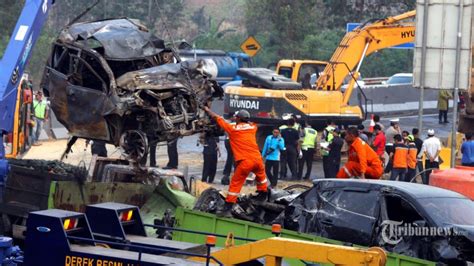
299,29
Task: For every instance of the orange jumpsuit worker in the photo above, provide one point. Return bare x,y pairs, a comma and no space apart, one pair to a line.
246,155
363,161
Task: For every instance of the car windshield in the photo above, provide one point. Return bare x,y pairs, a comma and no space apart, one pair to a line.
400,80
449,210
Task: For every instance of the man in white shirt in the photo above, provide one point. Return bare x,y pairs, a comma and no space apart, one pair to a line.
431,149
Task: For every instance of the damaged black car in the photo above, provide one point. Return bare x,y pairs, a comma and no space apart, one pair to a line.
412,219
113,80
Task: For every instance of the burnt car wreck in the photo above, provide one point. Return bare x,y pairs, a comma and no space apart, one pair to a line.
113,80
397,216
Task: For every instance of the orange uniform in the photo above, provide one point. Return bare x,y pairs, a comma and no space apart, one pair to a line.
400,156
412,152
362,160
247,156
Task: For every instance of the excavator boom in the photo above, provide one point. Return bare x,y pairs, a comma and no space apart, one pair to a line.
361,42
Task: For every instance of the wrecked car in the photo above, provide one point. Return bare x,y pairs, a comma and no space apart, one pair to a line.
412,219
113,80
263,212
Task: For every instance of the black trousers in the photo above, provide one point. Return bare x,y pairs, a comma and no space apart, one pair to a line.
172,154
271,170
229,162
98,147
326,164
290,157
419,166
153,155
410,174
209,168
443,114
428,165
308,160
332,167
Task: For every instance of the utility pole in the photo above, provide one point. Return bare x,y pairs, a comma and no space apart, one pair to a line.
456,85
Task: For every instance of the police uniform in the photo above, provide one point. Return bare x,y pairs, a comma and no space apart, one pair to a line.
291,137
327,138
284,155
210,154
172,148
307,147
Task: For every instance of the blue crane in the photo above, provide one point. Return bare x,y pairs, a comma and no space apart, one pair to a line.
12,65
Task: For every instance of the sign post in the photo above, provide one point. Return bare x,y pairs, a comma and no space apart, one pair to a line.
251,46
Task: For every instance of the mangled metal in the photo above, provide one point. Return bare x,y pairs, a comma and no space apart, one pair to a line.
369,213
113,80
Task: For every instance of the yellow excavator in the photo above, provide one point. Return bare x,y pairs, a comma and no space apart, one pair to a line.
269,96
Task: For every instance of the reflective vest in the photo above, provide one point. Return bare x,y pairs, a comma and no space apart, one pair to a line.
296,126
39,108
309,138
327,139
329,135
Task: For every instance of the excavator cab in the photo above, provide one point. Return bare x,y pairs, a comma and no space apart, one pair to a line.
297,69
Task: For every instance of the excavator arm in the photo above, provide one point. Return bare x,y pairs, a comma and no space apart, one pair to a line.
361,42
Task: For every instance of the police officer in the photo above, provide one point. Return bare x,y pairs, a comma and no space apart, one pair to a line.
210,154
307,147
172,148
291,137
283,153
325,141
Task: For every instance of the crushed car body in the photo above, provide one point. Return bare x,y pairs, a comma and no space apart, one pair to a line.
398,216
368,213
113,80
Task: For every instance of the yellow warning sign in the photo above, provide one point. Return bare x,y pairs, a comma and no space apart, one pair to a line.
250,46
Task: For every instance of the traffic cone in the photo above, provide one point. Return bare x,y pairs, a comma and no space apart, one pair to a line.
372,123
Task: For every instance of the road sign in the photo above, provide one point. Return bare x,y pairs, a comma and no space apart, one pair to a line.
250,46
409,45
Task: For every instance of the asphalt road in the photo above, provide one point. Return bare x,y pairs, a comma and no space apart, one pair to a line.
191,153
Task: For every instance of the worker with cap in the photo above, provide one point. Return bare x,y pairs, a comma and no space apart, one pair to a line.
307,147
411,161
399,157
431,148
334,156
292,150
393,130
326,140
363,162
247,158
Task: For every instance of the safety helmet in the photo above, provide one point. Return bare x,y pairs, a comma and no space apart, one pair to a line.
411,138
431,132
243,114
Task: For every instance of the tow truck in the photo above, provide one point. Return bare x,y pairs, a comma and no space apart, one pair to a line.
114,234
270,96
12,66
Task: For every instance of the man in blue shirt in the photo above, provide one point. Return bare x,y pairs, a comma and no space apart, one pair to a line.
467,150
271,154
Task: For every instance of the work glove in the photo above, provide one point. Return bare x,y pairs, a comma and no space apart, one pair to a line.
300,155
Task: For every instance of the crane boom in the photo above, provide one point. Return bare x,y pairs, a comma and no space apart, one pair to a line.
12,65
361,42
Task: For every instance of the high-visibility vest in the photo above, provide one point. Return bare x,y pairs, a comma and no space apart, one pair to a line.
329,135
39,108
309,138
296,126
